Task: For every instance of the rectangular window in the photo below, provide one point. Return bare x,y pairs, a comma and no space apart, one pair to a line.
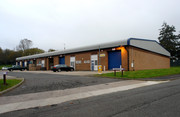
39,61
96,62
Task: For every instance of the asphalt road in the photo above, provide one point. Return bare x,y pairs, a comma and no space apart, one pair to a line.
35,82
162,100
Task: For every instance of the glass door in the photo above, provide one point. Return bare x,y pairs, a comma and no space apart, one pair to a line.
92,65
72,62
94,62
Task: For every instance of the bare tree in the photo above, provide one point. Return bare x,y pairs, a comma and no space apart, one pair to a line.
24,44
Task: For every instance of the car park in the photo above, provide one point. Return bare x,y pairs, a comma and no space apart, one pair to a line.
62,67
17,67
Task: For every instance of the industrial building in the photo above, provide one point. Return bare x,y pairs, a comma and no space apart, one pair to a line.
130,54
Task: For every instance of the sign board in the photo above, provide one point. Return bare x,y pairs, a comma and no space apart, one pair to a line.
78,62
118,69
86,61
132,64
102,55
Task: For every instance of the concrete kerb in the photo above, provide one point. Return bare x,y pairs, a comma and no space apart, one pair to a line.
15,86
158,78
140,79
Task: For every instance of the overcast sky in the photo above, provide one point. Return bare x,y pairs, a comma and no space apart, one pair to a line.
51,23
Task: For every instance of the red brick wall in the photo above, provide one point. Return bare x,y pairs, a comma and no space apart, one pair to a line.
147,60
56,60
142,59
86,56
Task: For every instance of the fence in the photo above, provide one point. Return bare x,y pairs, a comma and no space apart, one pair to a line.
175,63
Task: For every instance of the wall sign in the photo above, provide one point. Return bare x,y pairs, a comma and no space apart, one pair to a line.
78,62
86,61
102,55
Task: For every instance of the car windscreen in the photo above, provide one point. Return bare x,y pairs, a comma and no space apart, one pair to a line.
56,65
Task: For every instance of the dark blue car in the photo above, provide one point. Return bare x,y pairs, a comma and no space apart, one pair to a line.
62,67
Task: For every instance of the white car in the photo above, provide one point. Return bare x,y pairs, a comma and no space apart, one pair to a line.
4,68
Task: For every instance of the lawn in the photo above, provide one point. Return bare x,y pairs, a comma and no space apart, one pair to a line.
5,66
143,73
10,83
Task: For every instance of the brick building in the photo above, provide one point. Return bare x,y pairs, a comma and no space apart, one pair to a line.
131,54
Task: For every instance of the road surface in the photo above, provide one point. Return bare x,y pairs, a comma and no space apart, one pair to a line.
161,100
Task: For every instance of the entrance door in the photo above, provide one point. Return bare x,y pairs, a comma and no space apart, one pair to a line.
94,62
114,59
23,64
61,60
72,62
34,62
92,65
51,63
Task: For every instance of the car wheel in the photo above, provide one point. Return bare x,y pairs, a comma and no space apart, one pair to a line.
59,70
72,69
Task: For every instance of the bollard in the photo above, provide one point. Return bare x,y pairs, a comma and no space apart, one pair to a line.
122,73
114,72
4,79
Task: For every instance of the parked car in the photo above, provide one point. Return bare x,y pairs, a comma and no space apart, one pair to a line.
62,67
17,67
4,68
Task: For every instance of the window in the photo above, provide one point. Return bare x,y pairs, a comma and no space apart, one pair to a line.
96,62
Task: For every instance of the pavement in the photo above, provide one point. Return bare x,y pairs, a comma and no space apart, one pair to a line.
32,100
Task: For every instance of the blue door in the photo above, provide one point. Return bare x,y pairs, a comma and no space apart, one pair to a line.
114,59
23,63
61,60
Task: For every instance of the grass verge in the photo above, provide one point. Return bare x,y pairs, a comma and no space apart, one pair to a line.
10,83
143,73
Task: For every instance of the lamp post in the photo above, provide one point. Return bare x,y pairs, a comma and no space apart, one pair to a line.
99,56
